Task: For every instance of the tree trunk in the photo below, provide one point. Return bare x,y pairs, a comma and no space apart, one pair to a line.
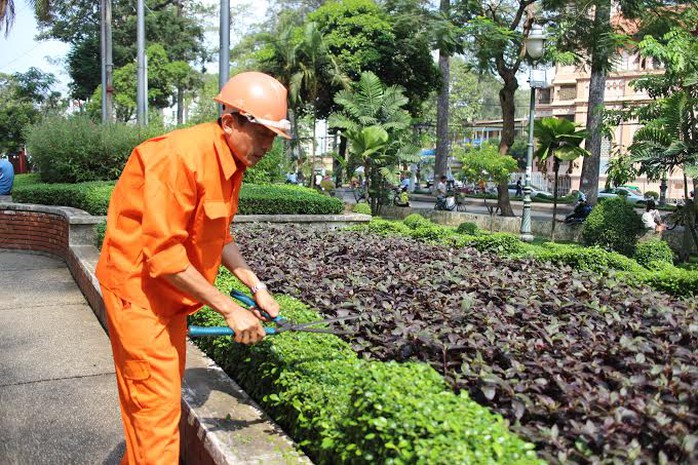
556,168
442,139
506,101
597,88
180,105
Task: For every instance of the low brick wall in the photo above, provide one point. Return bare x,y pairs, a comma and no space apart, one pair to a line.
34,230
220,424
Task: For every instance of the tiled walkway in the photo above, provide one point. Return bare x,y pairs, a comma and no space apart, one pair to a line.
58,397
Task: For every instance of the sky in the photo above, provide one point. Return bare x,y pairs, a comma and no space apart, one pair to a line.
19,51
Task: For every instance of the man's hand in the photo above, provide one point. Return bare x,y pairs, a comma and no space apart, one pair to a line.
265,301
247,328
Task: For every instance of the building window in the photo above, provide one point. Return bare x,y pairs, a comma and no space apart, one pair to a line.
544,96
568,92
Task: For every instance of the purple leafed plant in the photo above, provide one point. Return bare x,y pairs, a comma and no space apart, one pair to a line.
589,368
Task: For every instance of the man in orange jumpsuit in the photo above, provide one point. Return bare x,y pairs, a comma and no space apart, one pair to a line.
168,231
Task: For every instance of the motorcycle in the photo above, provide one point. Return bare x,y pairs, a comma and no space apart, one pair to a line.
580,212
399,196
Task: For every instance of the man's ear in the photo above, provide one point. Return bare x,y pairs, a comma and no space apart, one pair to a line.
227,123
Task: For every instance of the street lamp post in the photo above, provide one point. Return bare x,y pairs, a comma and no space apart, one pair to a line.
535,43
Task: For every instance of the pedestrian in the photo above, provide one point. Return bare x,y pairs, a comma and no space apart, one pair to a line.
7,176
651,219
168,231
519,189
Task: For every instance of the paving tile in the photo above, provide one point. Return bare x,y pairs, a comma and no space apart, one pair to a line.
43,343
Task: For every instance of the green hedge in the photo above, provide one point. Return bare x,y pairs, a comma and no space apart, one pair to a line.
94,197
342,409
593,259
283,199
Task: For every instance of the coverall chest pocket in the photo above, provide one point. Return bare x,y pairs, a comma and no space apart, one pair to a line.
215,221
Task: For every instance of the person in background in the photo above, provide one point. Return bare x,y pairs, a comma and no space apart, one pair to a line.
168,231
519,188
7,176
441,187
651,218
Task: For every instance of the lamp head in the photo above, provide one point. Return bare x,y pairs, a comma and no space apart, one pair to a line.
535,42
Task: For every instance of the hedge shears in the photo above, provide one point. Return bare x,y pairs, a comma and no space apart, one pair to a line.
281,325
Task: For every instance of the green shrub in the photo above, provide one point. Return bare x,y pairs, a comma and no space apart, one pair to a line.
500,243
387,228
467,228
22,180
593,259
345,410
100,230
286,199
430,232
613,224
416,220
74,149
675,281
93,197
271,168
652,195
653,250
362,208
411,417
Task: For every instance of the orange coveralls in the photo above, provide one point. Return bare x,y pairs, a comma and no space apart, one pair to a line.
171,208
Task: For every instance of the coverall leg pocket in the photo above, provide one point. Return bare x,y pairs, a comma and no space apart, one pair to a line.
137,373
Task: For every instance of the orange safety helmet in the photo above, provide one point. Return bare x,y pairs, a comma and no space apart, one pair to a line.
260,98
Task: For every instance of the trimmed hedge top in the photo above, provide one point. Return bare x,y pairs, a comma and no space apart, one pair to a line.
93,197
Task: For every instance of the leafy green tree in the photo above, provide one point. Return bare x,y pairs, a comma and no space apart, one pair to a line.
162,80
377,126
669,139
621,170
485,163
585,35
496,43
363,36
559,140
175,25
24,99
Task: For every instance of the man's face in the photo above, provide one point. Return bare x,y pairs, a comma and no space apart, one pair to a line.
248,141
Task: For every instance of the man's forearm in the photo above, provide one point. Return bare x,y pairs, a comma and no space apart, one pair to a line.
234,261
192,283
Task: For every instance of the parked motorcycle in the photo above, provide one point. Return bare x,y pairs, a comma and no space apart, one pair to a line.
580,212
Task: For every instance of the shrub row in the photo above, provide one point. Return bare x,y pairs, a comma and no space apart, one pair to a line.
342,409
286,199
651,263
93,197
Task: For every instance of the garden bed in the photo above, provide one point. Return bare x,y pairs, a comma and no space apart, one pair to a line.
589,368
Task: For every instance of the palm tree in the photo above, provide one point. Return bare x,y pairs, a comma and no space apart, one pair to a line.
665,144
558,139
378,130
7,12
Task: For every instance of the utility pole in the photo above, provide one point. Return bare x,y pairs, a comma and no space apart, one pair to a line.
107,64
224,52
142,80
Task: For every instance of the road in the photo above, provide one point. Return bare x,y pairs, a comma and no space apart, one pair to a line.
539,210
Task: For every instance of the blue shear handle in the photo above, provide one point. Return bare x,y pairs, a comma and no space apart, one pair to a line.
247,300
198,331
